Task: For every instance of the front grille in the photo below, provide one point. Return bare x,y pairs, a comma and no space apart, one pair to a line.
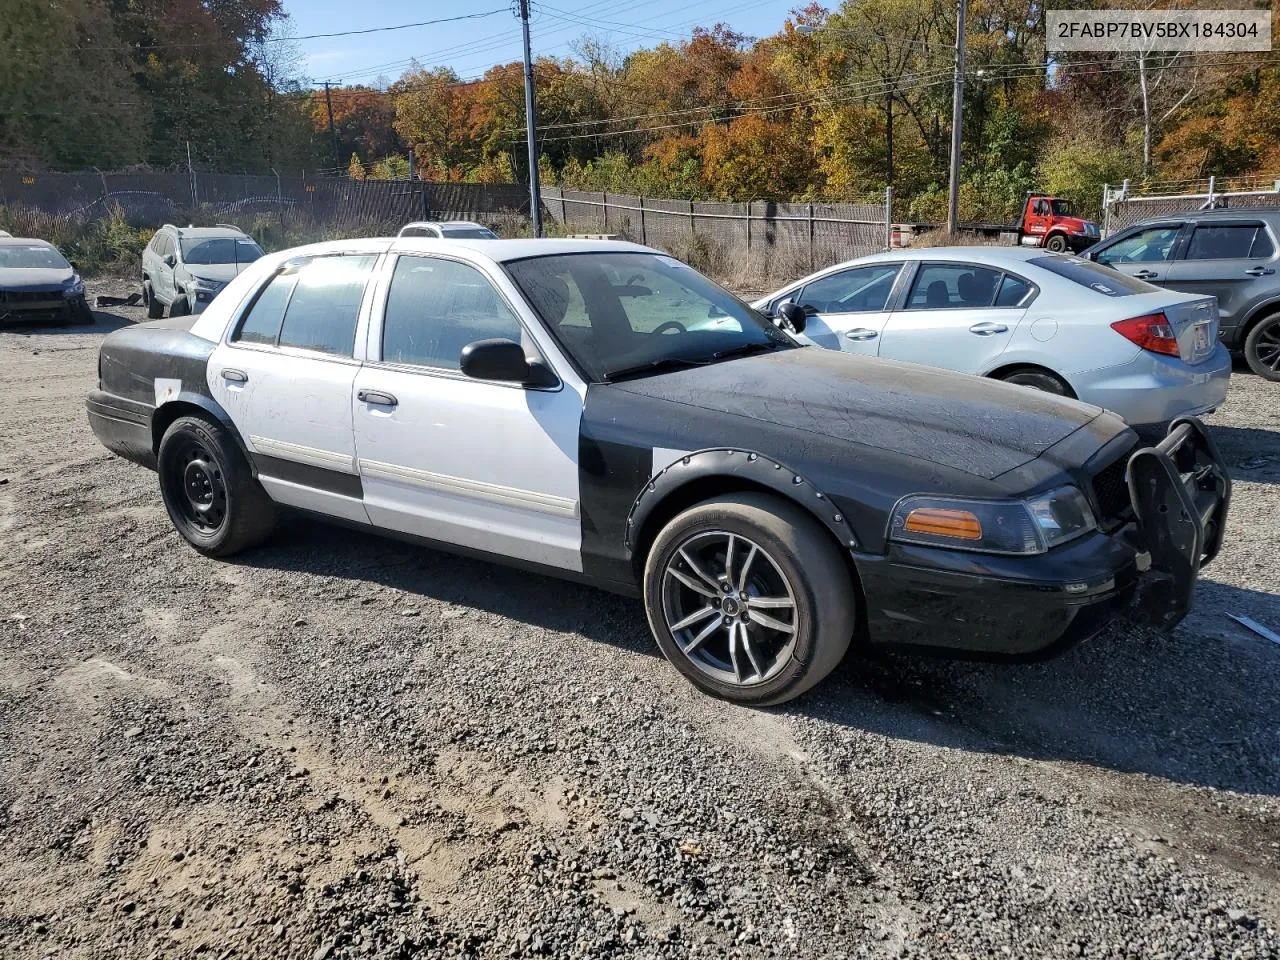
1111,494
19,298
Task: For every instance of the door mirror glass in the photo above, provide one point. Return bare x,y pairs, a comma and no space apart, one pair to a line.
170,260
505,361
791,317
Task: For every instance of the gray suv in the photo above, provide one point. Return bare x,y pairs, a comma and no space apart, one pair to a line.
1233,255
183,268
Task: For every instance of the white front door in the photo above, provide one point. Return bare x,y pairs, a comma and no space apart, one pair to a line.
285,377
490,466
958,316
847,309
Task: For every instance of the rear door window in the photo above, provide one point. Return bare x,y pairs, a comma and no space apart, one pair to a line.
952,286
1233,241
325,305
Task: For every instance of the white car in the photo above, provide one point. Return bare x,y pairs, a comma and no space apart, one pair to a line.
447,229
1051,321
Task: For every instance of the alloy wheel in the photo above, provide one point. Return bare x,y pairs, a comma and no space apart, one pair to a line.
1267,346
729,608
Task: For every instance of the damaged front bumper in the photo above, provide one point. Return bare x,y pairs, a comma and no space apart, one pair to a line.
1181,492
1001,607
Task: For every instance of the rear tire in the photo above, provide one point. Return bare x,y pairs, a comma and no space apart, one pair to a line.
1057,243
209,491
766,600
1038,380
1262,348
155,309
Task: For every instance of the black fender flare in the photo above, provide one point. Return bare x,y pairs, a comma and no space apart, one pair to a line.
740,464
209,406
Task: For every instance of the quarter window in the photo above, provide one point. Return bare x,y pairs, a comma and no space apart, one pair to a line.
325,305
436,307
862,289
952,286
1013,291
262,323
1236,241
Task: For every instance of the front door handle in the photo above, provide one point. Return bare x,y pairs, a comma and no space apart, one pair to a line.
377,397
1260,271
988,329
235,376
862,333
1145,275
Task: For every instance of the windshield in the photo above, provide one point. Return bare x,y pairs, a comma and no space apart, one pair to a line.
220,250
1062,208
35,256
1099,279
470,233
618,314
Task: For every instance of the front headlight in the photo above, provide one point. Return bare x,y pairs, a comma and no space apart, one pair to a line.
993,526
74,287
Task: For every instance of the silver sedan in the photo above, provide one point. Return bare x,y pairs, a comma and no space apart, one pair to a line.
1051,321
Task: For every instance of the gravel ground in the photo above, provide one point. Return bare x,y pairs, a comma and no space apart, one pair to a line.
341,746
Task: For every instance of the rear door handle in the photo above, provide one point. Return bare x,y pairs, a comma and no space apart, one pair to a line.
377,397
862,333
235,376
1145,275
1260,271
988,329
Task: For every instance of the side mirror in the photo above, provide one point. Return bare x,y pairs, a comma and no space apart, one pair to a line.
504,360
791,317
170,260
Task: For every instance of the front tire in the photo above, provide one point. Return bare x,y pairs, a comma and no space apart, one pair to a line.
1057,243
80,312
209,491
155,309
180,307
749,598
1262,348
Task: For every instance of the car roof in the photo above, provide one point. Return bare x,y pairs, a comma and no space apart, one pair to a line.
978,253
504,251
8,241
207,233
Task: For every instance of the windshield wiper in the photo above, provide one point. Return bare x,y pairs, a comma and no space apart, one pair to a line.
744,349
654,366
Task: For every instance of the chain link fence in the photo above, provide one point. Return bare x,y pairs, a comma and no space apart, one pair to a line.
1122,206
755,242
749,243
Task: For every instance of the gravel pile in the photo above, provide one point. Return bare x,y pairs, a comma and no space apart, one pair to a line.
338,746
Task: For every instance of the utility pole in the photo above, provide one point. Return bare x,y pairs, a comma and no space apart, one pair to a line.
333,134
888,137
957,122
531,123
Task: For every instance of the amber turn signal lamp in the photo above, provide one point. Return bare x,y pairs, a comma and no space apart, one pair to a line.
960,524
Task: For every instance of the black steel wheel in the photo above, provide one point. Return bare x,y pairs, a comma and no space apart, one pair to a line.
1057,243
1262,348
748,597
209,491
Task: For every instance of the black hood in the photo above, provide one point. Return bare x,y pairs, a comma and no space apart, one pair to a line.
35,279
980,426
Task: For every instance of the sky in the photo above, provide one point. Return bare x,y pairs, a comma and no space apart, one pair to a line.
473,45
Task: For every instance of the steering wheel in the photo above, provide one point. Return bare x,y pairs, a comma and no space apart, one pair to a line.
671,326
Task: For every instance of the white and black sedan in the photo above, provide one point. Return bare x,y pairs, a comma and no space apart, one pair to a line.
603,412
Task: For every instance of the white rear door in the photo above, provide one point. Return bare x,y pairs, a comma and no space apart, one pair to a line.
489,466
285,376
959,316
